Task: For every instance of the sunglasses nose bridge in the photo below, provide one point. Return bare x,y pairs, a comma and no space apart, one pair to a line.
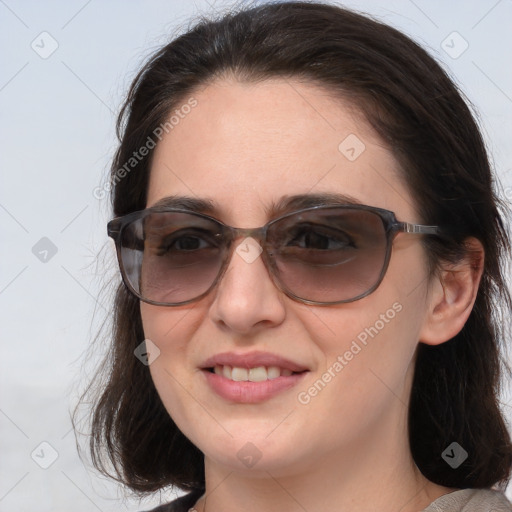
243,233
235,243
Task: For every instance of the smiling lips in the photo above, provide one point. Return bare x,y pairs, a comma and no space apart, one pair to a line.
252,377
258,374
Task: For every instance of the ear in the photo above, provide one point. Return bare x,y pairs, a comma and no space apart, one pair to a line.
452,295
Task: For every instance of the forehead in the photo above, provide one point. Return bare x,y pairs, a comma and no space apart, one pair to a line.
244,147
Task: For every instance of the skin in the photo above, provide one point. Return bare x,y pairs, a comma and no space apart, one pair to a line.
244,146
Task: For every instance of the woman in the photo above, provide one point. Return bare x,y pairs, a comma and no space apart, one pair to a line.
341,351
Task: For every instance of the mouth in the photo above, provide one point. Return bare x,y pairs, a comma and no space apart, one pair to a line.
248,391
251,377
255,374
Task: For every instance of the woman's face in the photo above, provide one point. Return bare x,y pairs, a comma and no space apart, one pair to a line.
244,147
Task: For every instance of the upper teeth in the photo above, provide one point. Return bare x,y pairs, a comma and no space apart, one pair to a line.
257,374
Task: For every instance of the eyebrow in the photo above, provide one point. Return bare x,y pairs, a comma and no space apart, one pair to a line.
193,204
284,205
297,202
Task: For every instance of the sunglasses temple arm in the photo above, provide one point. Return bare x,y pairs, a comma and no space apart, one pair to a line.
407,227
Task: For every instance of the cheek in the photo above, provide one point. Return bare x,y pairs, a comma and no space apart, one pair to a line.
365,370
368,346
171,330
355,341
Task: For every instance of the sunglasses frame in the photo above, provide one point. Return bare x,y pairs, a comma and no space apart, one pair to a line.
391,224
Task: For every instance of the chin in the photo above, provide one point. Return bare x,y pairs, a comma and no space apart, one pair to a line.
252,451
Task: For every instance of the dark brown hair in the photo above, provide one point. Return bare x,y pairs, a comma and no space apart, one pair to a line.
418,111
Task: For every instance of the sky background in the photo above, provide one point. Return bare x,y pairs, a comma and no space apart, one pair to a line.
64,70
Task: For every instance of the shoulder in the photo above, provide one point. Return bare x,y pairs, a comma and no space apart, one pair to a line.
181,504
471,500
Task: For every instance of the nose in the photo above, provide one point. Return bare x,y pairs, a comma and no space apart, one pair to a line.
246,298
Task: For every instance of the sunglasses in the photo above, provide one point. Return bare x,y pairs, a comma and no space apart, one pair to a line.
320,255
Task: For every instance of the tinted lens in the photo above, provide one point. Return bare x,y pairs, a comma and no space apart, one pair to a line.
329,255
172,257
